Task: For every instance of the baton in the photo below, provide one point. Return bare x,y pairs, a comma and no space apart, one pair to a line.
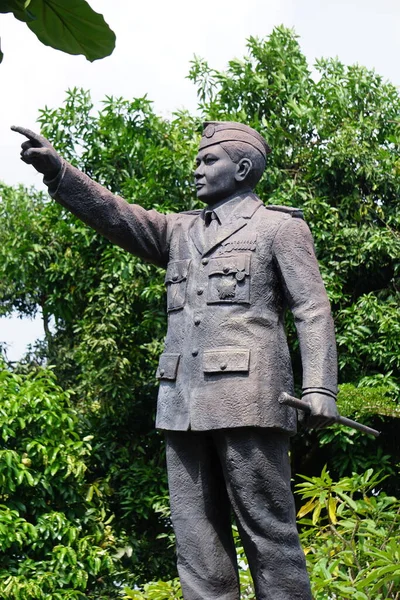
288,400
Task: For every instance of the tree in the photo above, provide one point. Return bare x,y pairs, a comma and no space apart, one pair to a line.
335,155
74,27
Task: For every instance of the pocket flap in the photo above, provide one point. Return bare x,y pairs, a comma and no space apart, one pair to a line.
225,265
177,271
225,361
168,366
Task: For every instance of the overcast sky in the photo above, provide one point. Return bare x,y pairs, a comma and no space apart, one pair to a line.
155,42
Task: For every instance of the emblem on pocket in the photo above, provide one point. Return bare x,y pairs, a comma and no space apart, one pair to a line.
226,288
229,279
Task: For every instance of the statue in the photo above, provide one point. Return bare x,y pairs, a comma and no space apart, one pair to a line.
231,271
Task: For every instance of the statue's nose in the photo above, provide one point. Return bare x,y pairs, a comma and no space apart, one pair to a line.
198,172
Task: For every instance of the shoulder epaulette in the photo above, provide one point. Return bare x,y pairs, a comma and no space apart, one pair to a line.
196,211
289,210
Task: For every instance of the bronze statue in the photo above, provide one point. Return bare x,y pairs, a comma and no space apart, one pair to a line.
231,271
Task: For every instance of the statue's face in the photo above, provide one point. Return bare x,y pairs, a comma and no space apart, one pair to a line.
215,175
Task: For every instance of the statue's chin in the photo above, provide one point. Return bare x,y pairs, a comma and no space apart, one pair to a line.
204,197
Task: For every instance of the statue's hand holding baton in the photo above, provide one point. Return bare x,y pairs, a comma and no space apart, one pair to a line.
288,400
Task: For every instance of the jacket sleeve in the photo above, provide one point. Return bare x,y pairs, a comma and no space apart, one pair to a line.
305,293
139,231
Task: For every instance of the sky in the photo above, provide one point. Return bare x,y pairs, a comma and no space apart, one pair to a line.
156,40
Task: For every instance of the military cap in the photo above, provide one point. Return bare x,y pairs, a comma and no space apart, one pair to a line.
215,132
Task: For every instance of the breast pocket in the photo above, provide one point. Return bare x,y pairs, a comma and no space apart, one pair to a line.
176,282
229,279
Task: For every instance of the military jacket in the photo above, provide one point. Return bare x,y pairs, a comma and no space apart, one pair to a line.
226,358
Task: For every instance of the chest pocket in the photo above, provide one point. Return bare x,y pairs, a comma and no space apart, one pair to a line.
176,282
229,279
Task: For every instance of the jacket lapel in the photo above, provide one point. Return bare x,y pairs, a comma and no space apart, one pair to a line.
239,218
224,231
197,232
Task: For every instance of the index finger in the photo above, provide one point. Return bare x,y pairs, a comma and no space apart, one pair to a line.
36,138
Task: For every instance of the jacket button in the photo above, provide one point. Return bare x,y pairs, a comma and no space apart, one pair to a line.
174,277
200,291
223,366
205,261
226,269
197,321
195,352
162,372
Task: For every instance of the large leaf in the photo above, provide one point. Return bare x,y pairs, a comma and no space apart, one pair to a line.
73,27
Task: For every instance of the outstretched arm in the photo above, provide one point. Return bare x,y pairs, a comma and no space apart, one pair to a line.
139,231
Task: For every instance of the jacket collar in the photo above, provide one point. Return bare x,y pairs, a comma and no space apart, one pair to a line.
233,214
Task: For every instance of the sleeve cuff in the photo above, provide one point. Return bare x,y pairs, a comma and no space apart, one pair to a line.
54,183
316,390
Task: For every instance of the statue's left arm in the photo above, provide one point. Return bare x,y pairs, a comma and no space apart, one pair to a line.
305,293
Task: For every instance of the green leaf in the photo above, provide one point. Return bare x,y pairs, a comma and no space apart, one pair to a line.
89,494
379,576
332,509
348,500
316,513
306,508
73,27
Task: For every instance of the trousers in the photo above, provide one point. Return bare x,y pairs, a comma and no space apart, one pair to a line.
245,471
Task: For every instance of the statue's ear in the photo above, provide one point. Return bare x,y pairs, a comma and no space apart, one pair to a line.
244,166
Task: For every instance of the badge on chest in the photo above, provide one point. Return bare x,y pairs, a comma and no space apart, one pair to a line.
229,279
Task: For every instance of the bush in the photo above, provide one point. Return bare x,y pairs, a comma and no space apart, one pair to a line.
350,542
56,540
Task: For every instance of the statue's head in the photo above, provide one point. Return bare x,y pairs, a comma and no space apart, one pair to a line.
231,159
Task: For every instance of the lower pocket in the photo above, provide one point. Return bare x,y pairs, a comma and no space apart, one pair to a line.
168,366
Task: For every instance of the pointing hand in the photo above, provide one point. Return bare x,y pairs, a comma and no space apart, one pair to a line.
38,151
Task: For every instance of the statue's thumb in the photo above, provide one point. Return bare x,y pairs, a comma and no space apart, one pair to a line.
31,154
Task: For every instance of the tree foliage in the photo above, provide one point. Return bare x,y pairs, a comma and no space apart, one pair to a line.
55,534
73,27
335,139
